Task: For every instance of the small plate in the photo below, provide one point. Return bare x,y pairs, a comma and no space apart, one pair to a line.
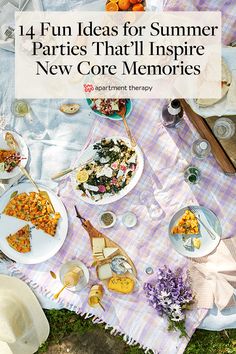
207,243
83,280
23,151
113,116
101,222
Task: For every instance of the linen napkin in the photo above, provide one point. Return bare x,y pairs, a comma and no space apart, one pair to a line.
7,18
214,276
227,105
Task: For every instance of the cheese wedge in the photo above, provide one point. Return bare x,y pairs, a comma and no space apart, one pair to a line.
196,243
109,251
98,244
104,272
122,285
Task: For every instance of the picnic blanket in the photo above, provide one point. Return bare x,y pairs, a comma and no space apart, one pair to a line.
226,7
166,156
147,244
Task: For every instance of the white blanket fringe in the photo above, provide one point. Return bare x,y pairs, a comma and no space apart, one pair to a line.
86,315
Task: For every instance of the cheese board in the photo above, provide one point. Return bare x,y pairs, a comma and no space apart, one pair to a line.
114,268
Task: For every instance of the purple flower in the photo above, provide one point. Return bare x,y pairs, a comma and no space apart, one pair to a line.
169,292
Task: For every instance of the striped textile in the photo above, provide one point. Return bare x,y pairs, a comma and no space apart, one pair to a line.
167,154
226,7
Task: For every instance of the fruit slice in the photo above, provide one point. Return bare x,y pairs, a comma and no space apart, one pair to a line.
82,176
20,241
138,7
112,6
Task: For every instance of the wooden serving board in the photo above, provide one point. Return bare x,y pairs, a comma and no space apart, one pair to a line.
205,131
94,233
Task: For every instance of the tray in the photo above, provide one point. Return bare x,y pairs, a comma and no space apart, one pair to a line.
224,151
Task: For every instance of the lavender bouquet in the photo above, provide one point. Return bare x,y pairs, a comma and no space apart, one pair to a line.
170,294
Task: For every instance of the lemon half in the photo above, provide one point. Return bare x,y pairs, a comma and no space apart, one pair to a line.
82,176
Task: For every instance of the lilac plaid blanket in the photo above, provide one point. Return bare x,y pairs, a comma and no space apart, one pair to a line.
147,244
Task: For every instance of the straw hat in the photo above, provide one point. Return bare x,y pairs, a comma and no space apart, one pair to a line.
23,324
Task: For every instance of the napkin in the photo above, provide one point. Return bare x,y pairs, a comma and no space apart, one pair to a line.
227,105
7,16
214,276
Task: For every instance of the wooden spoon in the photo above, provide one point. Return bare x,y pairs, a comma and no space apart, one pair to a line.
122,113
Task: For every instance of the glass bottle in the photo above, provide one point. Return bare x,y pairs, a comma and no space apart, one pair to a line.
192,174
201,148
172,114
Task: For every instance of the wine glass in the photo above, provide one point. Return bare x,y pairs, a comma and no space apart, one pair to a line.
148,199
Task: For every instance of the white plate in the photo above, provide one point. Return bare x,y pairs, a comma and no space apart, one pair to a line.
207,243
43,246
89,153
23,151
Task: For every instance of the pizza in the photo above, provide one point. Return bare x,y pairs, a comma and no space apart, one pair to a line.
5,154
10,159
187,225
20,241
35,208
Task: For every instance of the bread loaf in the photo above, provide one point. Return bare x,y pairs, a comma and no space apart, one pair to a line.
69,108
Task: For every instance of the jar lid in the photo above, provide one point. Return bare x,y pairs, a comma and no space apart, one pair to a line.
203,145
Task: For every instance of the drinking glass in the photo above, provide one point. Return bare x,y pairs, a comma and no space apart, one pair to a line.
21,108
224,128
154,209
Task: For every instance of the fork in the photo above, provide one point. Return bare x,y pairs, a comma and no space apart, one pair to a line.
5,258
194,210
9,33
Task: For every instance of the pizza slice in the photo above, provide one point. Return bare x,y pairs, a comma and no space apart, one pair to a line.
18,207
33,208
20,241
187,225
5,154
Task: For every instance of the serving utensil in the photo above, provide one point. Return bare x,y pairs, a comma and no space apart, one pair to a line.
60,291
69,170
44,194
122,113
210,230
13,144
100,304
94,233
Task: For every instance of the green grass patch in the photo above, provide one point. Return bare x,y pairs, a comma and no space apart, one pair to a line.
64,322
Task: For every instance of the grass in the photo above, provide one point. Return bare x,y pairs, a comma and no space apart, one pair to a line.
64,322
